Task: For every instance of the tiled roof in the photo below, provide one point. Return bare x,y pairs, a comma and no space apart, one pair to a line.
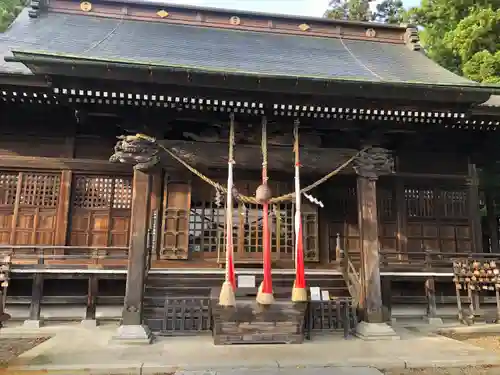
494,101
211,49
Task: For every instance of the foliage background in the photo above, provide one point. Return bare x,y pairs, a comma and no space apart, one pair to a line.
461,35
9,9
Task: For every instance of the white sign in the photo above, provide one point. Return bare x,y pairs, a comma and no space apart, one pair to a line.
246,281
315,293
325,295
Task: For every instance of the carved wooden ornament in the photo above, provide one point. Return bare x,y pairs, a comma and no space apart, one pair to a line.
374,162
235,21
86,6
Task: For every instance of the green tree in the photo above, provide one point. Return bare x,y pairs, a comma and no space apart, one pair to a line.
354,10
9,9
389,11
461,35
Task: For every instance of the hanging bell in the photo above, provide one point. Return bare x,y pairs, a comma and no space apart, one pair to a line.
263,193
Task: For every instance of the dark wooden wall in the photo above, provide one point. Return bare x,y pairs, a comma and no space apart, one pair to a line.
425,206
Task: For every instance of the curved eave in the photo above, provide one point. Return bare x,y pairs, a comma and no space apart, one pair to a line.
76,66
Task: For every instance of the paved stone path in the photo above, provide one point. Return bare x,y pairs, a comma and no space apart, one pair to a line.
74,348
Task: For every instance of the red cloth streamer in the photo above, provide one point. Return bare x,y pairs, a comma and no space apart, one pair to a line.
231,277
300,278
267,283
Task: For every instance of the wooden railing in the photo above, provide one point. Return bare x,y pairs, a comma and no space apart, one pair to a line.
66,256
422,261
350,273
426,261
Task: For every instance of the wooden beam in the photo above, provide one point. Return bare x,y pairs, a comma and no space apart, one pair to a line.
141,194
22,163
230,92
214,155
72,70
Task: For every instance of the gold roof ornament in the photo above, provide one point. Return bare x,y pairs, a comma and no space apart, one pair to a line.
371,33
235,20
304,27
86,6
162,13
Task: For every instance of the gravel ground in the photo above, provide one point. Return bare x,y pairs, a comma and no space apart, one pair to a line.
10,348
489,342
486,341
445,371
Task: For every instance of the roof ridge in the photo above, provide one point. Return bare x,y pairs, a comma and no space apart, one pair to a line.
232,11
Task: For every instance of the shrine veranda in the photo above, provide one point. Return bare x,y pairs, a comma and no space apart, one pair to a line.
77,75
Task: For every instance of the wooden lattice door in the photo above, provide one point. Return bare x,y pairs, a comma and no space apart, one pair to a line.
101,210
28,208
175,228
207,226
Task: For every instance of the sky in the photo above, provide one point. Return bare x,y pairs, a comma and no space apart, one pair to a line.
313,8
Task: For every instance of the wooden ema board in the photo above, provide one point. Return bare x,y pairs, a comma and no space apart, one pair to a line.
251,323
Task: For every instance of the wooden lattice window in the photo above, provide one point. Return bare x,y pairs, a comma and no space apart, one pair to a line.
438,219
207,226
420,202
28,208
8,187
453,204
101,209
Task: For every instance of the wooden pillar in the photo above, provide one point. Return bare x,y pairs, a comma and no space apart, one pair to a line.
132,329
369,166
474,213
156,214
401,217
63,210
387,298
368,225
90,311
492,219
34,320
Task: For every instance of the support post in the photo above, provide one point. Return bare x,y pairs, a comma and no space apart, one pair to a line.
430,292
368,224
132,329
156,208
492,219
401,218
34,320
90,320
386,298
370,164
474,214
